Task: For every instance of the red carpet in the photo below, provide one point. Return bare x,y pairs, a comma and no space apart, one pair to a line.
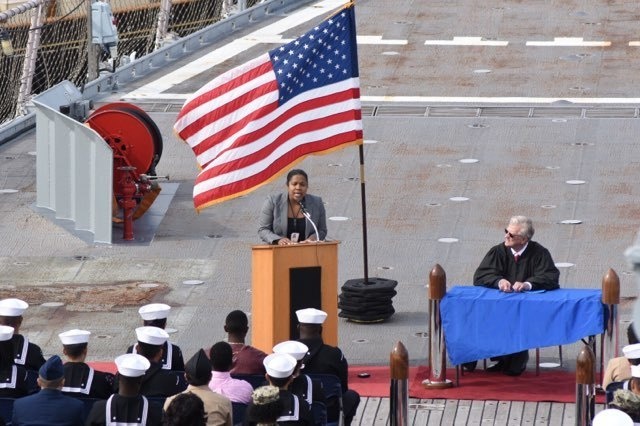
553,386
550,385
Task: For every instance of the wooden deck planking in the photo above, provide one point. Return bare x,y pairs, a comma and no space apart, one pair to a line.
441,412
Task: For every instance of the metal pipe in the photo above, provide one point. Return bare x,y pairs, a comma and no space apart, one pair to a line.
4,16
437,348
399,389
611,337
585,386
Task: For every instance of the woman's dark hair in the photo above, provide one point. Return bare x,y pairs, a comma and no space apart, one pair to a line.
264,413
186,409
265,406
296,172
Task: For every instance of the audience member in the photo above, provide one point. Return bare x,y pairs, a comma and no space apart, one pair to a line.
49,406
155,315
157,381
81,380
627,398
302,385
632,354
326,359
246,358
221,359
25,353
128,406
14,379
265,406
186,409
280,369
619,368
518,264
198,374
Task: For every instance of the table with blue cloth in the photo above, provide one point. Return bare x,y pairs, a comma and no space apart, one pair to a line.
480,322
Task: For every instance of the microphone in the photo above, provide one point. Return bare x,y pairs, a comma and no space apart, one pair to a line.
306,214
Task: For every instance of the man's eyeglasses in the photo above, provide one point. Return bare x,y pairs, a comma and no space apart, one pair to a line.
510,234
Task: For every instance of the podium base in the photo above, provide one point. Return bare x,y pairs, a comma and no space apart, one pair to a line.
367,302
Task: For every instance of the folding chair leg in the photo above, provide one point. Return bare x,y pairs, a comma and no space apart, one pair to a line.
560,354
537,361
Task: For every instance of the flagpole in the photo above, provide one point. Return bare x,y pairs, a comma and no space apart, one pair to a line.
364,215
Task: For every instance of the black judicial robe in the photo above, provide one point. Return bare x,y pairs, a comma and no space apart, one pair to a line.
535,266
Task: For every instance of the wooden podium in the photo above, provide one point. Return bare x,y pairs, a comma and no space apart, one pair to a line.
287,278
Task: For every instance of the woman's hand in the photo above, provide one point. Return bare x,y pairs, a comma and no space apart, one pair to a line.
284,242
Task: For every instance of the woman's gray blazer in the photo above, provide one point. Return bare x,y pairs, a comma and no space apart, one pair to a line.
273,217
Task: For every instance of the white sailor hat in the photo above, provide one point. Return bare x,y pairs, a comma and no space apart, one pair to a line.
132,365
632,351
292,347
154,311
75,336
612,417
6,333
152,335
311,316
280,365
12,307
635,371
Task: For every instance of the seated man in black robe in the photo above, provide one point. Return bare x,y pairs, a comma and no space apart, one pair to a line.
518,264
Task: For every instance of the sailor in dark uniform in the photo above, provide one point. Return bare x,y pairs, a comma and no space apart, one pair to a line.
325,359
128,406
157,381
14,379
49,406
81,380
302,385
155,315
295,410
25,353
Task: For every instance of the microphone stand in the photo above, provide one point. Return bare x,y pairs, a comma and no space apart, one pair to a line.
306,214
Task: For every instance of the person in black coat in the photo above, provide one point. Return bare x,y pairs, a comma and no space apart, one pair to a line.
15,380
294,410
128,406
49,406
25,353
155,315
80,379
326,359
516,265
156,380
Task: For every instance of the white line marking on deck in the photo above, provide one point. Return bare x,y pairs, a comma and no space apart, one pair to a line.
569,42
466,41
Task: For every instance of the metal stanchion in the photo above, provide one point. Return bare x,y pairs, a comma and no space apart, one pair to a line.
399,391
437,349
610,338
585,386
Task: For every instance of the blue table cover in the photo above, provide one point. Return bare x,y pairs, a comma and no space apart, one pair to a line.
480,322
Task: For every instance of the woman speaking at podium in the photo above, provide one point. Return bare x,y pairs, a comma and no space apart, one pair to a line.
283,220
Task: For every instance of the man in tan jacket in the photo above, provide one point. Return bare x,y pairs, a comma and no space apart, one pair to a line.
197,371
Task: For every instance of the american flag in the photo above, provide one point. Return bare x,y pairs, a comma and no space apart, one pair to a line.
251,123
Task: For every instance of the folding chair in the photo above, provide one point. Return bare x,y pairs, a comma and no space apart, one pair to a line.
332,388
